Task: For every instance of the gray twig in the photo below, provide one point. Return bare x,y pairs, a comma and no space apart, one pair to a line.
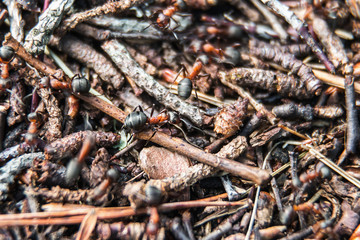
39,36
12,168
87,55
122,58
16,22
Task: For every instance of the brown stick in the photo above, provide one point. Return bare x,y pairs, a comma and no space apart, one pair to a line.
103,106
244,94
71,217
176,144
21,52
110,7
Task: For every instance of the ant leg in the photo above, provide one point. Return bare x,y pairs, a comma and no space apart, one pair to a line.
182,70
184,134
139,107
147,141
152,110
130,139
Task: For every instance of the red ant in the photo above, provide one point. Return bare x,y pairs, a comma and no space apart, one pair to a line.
288,214
74,167
78,84
153,198
31,135
137,119
6,55
185,85
112,176
164,16
320,171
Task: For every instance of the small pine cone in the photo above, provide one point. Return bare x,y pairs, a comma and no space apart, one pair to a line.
229,119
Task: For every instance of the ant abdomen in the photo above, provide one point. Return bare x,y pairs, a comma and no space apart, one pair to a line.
135,120
185,88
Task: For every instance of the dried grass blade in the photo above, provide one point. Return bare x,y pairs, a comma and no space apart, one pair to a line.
87,226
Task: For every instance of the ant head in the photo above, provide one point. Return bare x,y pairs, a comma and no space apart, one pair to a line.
80,84
6,54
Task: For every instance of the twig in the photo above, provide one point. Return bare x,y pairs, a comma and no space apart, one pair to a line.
126,25
22,53
76,215
331,42
101,35
225,226
16,21
121,57
244,94
176,144
269,80
352,129
275,189
39,36
123,151
87,55
110,7
288,61
14,167
300,27
338,56
271,19
334,80
253,214
54,122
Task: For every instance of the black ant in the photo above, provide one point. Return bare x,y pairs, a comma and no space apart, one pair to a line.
137,119
31,136
74,166
112,175
153,198
185,85
6,55
78,84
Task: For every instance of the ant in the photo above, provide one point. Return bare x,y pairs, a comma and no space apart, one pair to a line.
137,119
74,166
320,171
6,55
78,84
164,16
31,135
288,214
153,198
112,175
73,104
185,85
